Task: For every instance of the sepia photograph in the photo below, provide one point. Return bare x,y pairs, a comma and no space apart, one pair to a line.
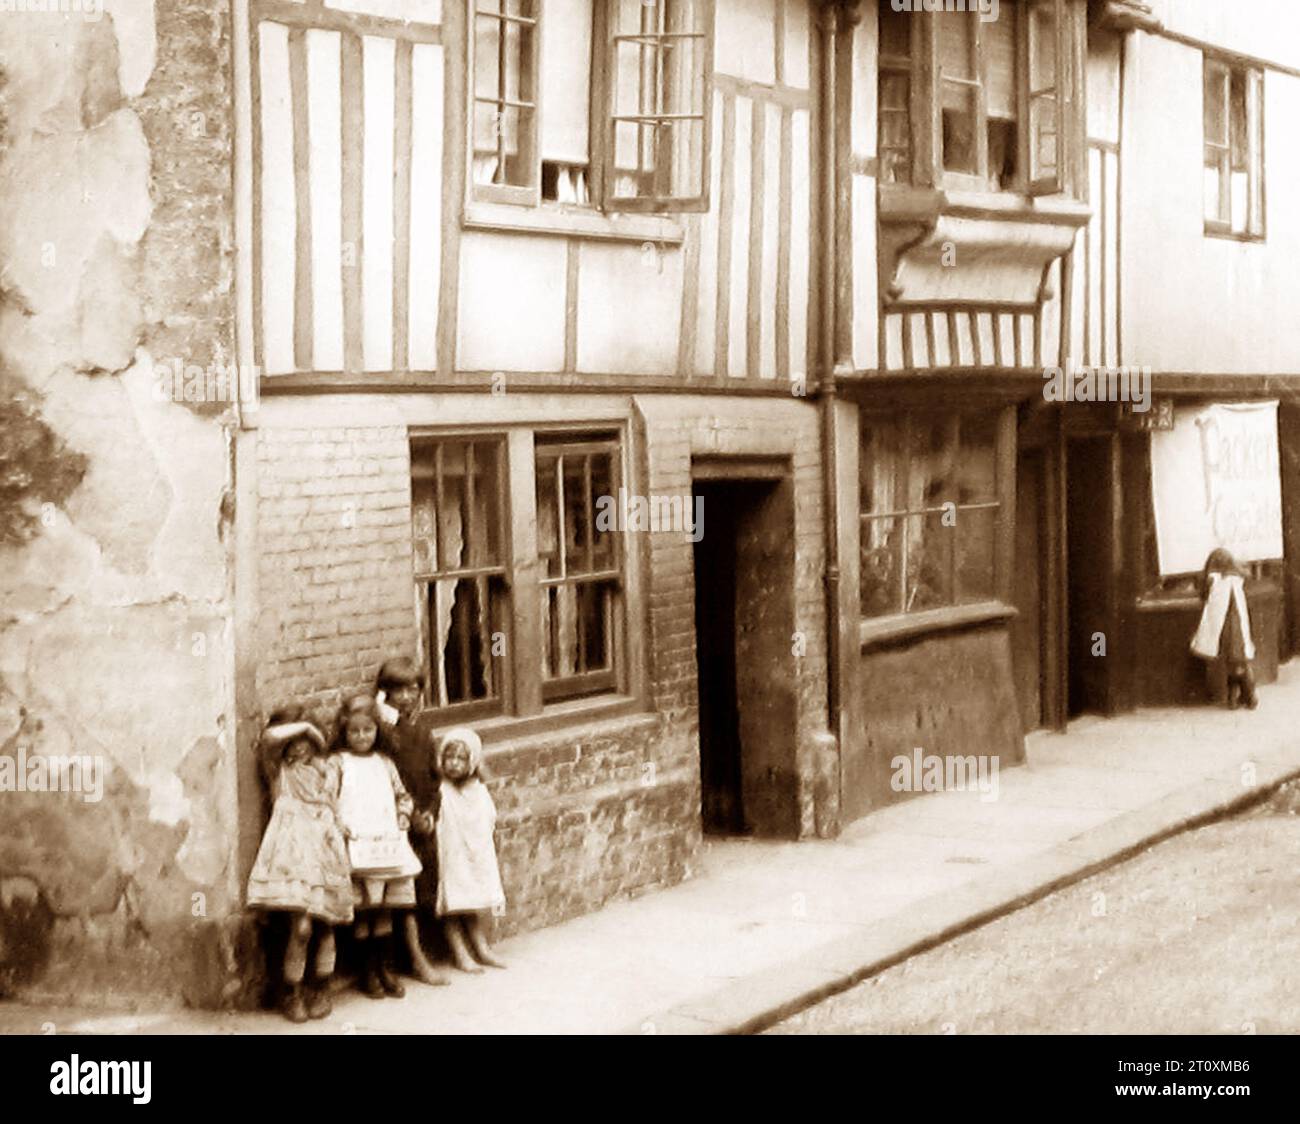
625,518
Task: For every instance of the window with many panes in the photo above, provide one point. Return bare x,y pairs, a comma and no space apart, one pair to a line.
506,627
930,511
597,103
1234,148
978,103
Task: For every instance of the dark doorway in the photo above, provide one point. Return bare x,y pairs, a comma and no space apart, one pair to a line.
1090,565
744,622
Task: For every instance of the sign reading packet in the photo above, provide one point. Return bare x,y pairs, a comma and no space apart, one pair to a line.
1215,482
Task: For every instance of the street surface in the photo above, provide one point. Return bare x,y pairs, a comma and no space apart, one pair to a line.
1200,934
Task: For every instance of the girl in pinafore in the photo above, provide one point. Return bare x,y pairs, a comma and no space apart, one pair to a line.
375,811
302,865
1223,635
469,882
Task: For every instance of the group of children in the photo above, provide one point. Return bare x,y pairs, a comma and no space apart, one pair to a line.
379,819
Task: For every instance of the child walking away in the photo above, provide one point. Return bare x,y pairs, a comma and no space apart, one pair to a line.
1224,632
469,882
302,865
375,811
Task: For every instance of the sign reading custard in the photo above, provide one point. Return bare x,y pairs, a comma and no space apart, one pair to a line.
1215,482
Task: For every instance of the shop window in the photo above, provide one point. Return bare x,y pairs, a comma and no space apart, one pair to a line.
930,508
993,94
1234,149
586,104
474,586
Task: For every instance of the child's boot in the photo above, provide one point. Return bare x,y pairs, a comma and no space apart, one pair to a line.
293,1006
371,984
383,965
319,1004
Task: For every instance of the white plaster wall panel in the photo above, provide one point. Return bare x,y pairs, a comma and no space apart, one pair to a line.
1173,319
744,39
512,302
408,11
800,235
1095,256
629,309
426,212
324,114
377,212
862,123
737,343
1269,29
707,303
797,40
1103,87
772,235
1112,261
1051,325
865,307
279,208
893,328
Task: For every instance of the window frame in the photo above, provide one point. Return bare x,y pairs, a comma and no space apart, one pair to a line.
602,124
1254,229
524,697
904,621
926,105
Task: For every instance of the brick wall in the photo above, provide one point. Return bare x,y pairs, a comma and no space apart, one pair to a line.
588,813
334,560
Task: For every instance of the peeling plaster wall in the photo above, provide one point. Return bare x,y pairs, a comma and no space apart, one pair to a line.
115,636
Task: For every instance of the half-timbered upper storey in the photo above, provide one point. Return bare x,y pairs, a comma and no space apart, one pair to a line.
613,193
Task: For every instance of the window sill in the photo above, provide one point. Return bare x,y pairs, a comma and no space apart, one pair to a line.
1228,235
891,630
565,221
499,733
904,203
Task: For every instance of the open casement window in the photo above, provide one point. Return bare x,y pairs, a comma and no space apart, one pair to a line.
504,43
930,507
978,104
581,566
591,104
1047,54
1234,131
462,594
658,66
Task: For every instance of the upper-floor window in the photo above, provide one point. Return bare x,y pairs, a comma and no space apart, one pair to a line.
594,104
971,102
1234,148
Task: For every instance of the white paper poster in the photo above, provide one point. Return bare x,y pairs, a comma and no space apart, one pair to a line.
1215,482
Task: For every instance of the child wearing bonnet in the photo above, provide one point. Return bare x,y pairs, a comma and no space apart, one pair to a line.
469,880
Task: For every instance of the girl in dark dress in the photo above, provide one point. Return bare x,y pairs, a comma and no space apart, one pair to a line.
397,689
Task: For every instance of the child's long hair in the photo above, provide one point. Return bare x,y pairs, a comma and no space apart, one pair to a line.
358,704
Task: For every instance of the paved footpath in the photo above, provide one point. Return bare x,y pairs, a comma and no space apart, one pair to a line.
765,928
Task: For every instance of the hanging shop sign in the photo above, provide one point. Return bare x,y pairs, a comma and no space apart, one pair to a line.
1215,482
